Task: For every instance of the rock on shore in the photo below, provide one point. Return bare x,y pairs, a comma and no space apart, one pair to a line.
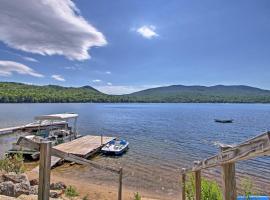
18,186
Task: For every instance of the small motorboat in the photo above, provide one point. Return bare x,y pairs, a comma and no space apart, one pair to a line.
224,120
115,147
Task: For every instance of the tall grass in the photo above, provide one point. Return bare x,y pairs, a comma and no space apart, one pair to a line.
210,189
12,163
71,192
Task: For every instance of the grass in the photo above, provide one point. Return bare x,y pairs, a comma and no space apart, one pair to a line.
137,196
247,187
86,197
210,189
71,192
13,163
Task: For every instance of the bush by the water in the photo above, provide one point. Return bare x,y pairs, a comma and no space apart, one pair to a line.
12,163
137,196
210,189
246,185
71,192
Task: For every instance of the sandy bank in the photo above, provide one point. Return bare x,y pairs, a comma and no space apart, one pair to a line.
97,191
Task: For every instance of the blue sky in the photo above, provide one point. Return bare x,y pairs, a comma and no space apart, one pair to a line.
124,46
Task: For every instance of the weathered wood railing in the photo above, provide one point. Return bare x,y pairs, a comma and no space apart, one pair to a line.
46,151
228,155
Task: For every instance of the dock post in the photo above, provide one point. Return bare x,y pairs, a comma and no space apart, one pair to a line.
183,184
120,184
101,138
228,181
198,185
44,170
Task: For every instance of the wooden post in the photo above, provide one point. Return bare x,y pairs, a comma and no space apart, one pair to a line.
229,182
183,186
198,185
44,170
75,128
120,184
101,138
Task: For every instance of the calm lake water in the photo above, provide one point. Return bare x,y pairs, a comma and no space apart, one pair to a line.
163,137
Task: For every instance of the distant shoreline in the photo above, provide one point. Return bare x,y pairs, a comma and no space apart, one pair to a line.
11,92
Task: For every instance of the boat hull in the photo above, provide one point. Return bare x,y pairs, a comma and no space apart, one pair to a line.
224,121
115,153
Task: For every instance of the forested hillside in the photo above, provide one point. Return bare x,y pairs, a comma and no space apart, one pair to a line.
23,93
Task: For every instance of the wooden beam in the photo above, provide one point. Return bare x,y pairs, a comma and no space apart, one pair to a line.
101,138
254,147
44,171
197,185
228,181
120,184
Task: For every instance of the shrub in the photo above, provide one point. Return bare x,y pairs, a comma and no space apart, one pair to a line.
86,197
12,163
210,189
247,187
71,191
137,196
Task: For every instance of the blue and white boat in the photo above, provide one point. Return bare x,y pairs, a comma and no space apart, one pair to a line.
253,198
115,147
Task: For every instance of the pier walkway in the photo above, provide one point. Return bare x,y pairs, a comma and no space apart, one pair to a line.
84,147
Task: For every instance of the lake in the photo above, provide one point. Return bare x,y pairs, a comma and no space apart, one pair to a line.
163,137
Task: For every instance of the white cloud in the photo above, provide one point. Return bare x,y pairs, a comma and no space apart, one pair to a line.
8,67
30,59
109,83
48,27
96,81
108,72
147,31
19,55
70,68
123,89
58,77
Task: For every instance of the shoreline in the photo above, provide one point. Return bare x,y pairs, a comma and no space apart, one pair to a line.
101,191
98,190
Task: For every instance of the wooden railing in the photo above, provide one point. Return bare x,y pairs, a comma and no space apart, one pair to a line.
46,151
226,158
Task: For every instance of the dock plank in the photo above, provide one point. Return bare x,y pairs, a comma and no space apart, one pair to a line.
84,146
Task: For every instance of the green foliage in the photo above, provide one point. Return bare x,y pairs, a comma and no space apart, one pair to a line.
210,189
137,196
23,93
247,187
12,163
71,192
86,197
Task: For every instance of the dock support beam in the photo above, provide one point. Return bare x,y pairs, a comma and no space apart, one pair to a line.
229,182
120,184
44,170
101,138
198,185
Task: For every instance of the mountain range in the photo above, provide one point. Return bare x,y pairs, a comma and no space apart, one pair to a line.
11,92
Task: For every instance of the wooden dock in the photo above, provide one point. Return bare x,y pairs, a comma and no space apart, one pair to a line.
85,147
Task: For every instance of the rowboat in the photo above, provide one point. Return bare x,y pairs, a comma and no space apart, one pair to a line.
224,120
115,147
